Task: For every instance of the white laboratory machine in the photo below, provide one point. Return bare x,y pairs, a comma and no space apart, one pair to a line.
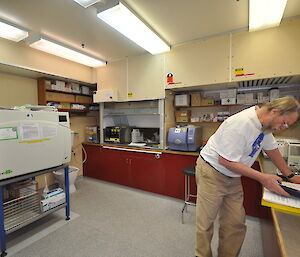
290,150
33,140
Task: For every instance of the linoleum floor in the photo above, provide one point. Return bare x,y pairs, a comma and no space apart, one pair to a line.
116,221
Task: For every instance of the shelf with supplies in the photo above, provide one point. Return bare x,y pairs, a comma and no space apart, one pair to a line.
66,92
209,107
72,110
130,114
202,122
22,204
216,104
66,95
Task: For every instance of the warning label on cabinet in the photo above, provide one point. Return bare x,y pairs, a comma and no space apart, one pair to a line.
8,133
239,71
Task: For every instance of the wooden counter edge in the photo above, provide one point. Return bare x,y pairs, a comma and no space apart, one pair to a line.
279,234
144,149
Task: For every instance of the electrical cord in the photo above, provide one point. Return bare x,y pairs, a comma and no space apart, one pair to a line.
85,155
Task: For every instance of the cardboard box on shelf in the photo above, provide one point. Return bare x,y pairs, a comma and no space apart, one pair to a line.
52,199
266,99
249,98
195,119
274,94
83,99
260,97
185,113
229,93
228,101
85,90
182,119
240,99
48,84
65,106
52,96
60,85
207,101
75,88
182,100
196,99
67,87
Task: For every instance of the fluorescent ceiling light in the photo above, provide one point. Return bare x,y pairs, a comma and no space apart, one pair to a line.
127,23
265,14
11,32
52,47
86,3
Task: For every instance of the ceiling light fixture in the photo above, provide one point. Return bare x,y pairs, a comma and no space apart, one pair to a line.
86,3
50,46
11,31
126,22
265,14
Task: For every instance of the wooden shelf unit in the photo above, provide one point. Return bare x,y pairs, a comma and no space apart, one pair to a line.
46,95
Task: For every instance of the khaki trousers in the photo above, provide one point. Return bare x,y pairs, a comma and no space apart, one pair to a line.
218,194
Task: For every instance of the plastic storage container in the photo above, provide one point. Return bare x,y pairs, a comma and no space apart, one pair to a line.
92,134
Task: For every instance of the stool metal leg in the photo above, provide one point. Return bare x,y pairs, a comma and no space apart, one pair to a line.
187,196
188,190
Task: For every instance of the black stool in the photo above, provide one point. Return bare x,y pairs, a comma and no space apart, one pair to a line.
188,172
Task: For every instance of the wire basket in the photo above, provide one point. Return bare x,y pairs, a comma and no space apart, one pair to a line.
22,209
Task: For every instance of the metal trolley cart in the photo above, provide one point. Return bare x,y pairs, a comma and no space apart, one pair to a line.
22,211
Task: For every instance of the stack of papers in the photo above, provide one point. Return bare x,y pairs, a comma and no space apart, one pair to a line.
290,204
137,144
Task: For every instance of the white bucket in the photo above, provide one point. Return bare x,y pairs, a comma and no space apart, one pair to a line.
60,177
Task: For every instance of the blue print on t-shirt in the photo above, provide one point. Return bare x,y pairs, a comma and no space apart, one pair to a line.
256,144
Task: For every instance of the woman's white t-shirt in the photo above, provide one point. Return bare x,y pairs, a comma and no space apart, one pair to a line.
238,139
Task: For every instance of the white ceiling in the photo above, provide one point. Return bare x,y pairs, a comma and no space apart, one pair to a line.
177,21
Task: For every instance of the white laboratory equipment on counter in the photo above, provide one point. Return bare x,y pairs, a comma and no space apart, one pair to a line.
32,141
290,150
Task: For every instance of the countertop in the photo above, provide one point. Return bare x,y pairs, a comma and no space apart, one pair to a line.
287,226
126,146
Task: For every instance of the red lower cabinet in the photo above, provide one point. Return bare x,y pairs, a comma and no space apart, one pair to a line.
114,166
173,175
161,174
92,154
146,171
106,164
157,173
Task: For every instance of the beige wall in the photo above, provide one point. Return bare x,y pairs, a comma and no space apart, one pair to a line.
79,124
21,55
17,91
